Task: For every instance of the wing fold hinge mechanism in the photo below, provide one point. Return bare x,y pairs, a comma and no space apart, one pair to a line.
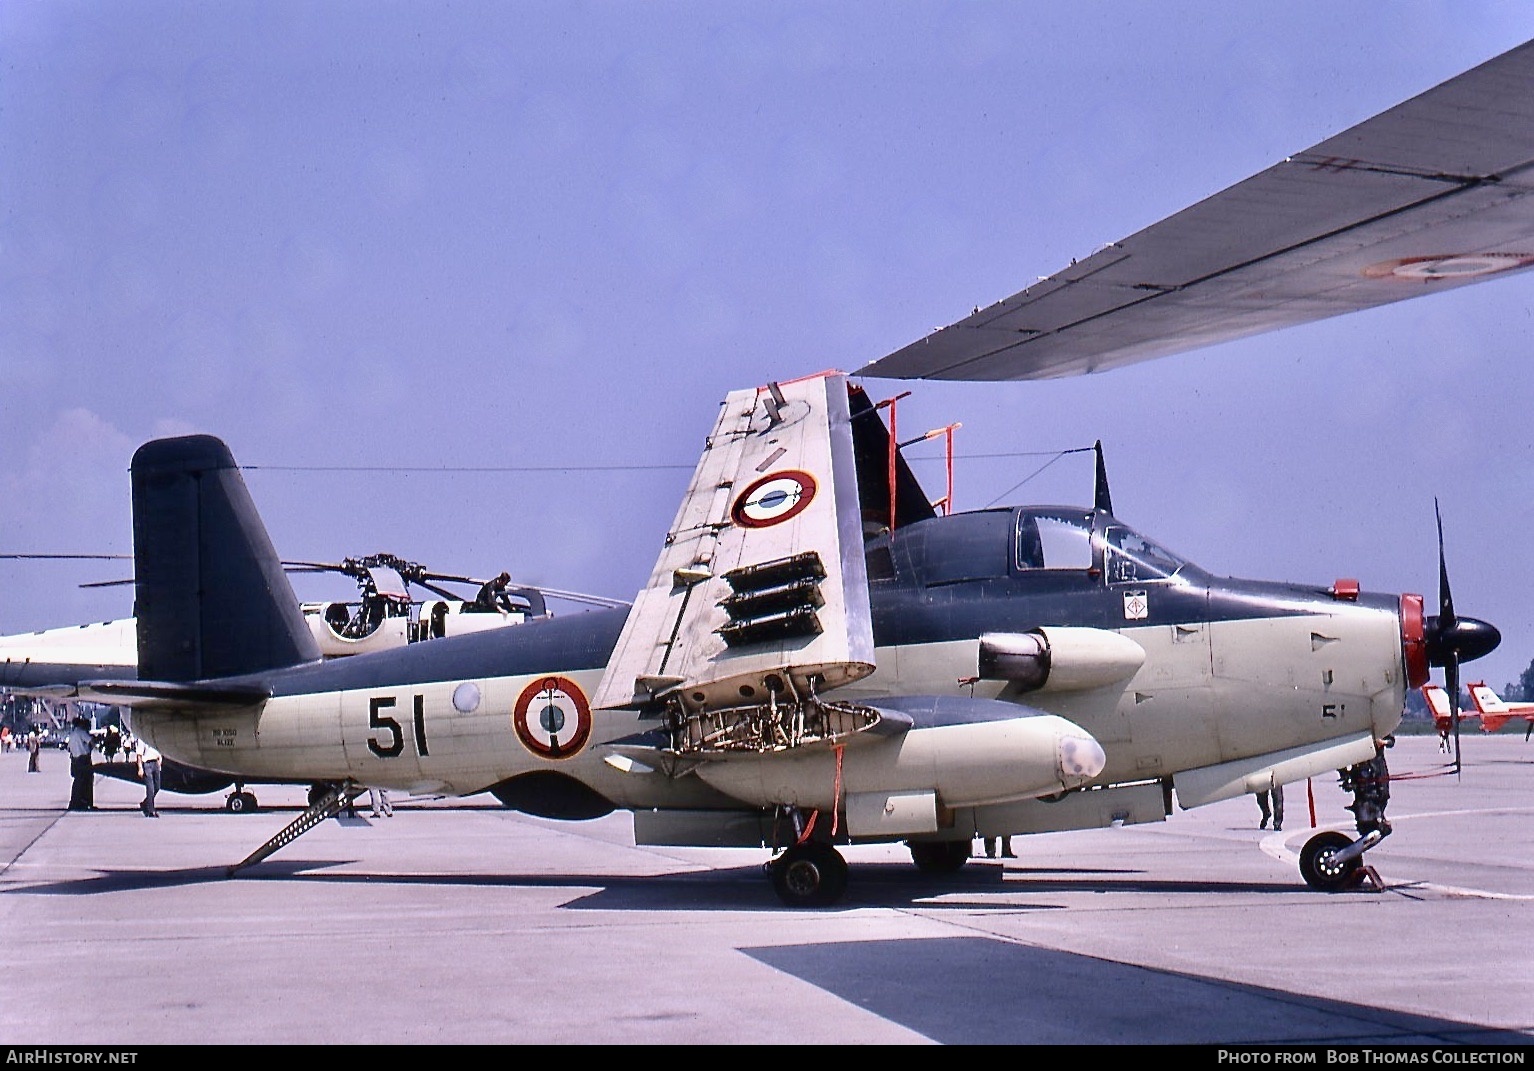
778,725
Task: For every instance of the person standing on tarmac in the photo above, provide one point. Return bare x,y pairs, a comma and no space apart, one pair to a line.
1276,811
82,792
149,771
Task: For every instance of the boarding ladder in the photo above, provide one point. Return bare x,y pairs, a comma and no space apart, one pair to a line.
340,798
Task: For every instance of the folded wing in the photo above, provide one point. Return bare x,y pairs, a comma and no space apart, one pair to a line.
758,602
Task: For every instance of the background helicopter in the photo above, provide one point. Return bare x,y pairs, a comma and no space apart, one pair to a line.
385,613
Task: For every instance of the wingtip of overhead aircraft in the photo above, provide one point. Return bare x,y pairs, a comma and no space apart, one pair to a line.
1425,196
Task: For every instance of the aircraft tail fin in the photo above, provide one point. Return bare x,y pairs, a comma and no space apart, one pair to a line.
1438,706
211,597
1494,713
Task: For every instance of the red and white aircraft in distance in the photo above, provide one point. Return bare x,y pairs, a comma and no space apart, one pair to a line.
1489,707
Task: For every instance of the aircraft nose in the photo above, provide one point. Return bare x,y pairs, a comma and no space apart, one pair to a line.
1467,638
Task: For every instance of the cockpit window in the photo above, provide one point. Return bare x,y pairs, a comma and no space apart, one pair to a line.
1054,540
1132,559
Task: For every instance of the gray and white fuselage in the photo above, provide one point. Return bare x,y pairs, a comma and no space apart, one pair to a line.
1174,673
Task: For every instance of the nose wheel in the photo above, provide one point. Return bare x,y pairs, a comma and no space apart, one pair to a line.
1320,865
1332,860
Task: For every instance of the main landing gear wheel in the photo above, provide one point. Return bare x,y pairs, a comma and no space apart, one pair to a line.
240,802
809,875
1319,864
939,856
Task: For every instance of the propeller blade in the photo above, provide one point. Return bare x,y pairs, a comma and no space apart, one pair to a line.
1452,640
1451,685
1446,619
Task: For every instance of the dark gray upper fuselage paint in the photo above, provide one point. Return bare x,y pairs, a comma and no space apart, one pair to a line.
941,582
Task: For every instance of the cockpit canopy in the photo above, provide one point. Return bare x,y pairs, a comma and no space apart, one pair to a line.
1019,542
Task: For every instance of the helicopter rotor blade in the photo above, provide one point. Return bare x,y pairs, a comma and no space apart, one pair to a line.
577,596
450,578
69,557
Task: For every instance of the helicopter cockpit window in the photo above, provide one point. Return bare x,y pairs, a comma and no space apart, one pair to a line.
1054,541
1133,559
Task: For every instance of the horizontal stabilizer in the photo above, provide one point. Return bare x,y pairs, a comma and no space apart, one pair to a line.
168,696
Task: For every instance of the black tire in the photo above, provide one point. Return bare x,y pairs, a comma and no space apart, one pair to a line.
1320,868
939,856
251,806
809,875
236,803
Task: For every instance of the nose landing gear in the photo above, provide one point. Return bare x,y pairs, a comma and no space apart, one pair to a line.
1332,860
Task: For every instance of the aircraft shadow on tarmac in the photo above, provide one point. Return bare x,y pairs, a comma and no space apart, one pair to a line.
718,888
960,990
979,990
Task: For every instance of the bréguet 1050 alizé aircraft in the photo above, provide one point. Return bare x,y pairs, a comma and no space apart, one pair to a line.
819,658
815,661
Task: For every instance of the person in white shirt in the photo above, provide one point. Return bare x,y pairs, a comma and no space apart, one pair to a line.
149,770
382,805
82,793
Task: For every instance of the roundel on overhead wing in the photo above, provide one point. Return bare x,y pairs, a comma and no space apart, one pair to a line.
552,718
773,499
1447,266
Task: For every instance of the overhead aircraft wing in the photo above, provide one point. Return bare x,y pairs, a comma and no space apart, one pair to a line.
760,593
1427,196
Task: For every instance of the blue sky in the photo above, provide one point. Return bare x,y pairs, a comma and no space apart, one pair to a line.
543,240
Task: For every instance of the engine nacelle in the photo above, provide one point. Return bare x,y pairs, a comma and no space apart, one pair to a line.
960,752
1059,659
